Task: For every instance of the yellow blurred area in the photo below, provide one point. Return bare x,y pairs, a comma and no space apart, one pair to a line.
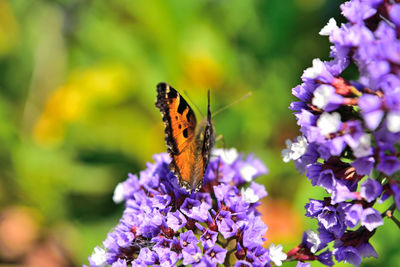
9,29
74,100
202,71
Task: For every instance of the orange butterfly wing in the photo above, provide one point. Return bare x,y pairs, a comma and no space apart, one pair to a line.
180,125
189,144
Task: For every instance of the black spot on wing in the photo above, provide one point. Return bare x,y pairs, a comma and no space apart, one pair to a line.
189,114
185,133
182,105
172,93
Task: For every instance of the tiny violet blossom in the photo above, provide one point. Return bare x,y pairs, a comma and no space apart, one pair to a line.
165,225
303,264
352,130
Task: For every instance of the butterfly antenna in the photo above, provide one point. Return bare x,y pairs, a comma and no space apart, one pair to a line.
208,106
193,103
231,104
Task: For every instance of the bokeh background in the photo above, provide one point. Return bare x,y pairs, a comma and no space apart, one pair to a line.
77,93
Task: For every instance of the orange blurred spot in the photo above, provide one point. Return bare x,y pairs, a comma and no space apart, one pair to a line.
18,232
284,223
47,254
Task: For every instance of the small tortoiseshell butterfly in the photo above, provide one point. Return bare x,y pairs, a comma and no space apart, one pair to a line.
189,144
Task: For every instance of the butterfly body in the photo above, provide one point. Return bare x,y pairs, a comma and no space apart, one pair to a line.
188,143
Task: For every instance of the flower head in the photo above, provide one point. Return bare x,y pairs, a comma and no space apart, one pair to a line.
352,130
163,224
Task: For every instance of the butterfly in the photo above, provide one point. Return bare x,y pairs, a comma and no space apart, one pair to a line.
188,143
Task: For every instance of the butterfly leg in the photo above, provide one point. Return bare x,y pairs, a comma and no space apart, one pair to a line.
220,138
217,172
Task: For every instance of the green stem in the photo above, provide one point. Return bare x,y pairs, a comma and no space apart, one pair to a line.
228,255
389,212
397,222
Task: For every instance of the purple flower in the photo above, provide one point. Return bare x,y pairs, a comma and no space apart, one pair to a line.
216,254
314,207
370,189
371,108
253,232
366,250
394,13
191,254
303,264
388,164
195,209
357,11
176,220
326,180
188,238
313,173
348,255
162,244
326,258
332,221
363,165
147,256
396,194
341,192
353,215
258,190
260,256
208,238
242,263
371,219
160,219
168,258
352,128
226,226
119,263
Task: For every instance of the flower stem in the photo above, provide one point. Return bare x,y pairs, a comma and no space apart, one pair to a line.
227,257
389,213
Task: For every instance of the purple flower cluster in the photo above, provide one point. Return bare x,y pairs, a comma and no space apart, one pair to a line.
350,132
164,225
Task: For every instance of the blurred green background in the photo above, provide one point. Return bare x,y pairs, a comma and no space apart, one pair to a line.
77,93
